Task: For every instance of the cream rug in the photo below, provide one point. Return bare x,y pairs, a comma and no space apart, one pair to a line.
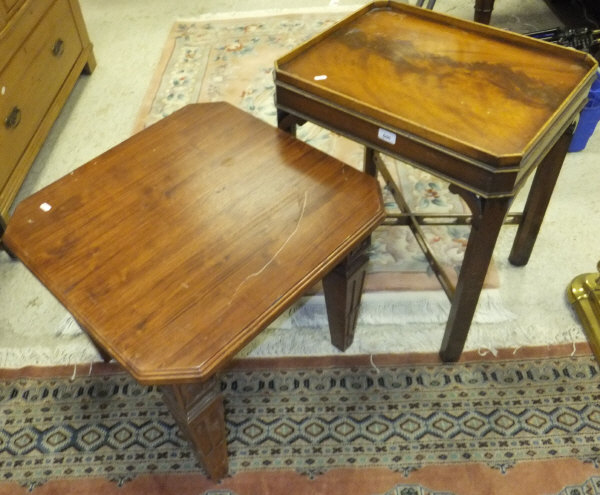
530,309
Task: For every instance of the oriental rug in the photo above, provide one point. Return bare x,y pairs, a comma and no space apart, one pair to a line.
232,60
384,424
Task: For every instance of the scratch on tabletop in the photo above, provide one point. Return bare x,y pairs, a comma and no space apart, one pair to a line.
281,248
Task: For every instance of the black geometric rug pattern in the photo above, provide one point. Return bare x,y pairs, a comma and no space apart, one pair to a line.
590,487
310,420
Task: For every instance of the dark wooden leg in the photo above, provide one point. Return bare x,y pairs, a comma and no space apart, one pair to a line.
488,215
2,246
538,199
483,10
199,412
288,122
343,288
369,162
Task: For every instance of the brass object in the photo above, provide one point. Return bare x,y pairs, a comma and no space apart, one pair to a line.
584,294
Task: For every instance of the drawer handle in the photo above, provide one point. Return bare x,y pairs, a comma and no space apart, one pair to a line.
13,119
58,48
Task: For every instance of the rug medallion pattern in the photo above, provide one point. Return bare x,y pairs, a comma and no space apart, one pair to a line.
310,421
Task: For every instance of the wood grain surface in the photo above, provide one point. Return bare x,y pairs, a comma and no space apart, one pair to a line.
178,246
477,89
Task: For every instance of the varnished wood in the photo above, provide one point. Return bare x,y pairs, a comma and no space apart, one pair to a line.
478,254
542,187
471,104
343,288
415,227
177,247
478,77
7,10
199,412
483,11
369,163
36,81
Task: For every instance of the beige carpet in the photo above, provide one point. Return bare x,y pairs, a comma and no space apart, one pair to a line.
34,329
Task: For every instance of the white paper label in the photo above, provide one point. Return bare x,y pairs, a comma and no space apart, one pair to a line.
387,136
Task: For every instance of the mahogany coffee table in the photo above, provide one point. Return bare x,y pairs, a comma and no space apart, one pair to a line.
479,107
178,246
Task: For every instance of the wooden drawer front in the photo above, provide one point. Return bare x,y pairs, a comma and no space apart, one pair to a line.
30,81
11,4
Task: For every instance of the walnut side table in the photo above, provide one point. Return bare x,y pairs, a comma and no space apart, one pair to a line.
178,246
477,106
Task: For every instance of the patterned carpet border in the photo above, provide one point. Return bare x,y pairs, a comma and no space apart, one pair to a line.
397,490
310,420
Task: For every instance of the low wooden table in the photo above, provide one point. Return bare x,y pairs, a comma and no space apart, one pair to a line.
474,105
178,246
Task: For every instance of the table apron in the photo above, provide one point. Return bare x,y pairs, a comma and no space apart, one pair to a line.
466,172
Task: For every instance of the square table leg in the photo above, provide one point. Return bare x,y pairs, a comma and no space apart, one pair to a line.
199,412
478,254
482,240
483,11
541,190
343,288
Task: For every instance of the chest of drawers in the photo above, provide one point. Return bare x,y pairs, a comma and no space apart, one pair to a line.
44,47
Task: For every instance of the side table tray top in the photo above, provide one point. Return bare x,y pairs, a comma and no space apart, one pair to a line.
490,97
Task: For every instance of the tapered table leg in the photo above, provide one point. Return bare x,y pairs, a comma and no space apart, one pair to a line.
343,288
200,414
478,254
537,202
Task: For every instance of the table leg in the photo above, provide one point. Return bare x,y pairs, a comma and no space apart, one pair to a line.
483,11
343,288
542,186
199,412
488,216
370,162
288,122
2,246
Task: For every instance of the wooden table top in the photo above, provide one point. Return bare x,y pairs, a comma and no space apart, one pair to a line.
478,90
178,246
